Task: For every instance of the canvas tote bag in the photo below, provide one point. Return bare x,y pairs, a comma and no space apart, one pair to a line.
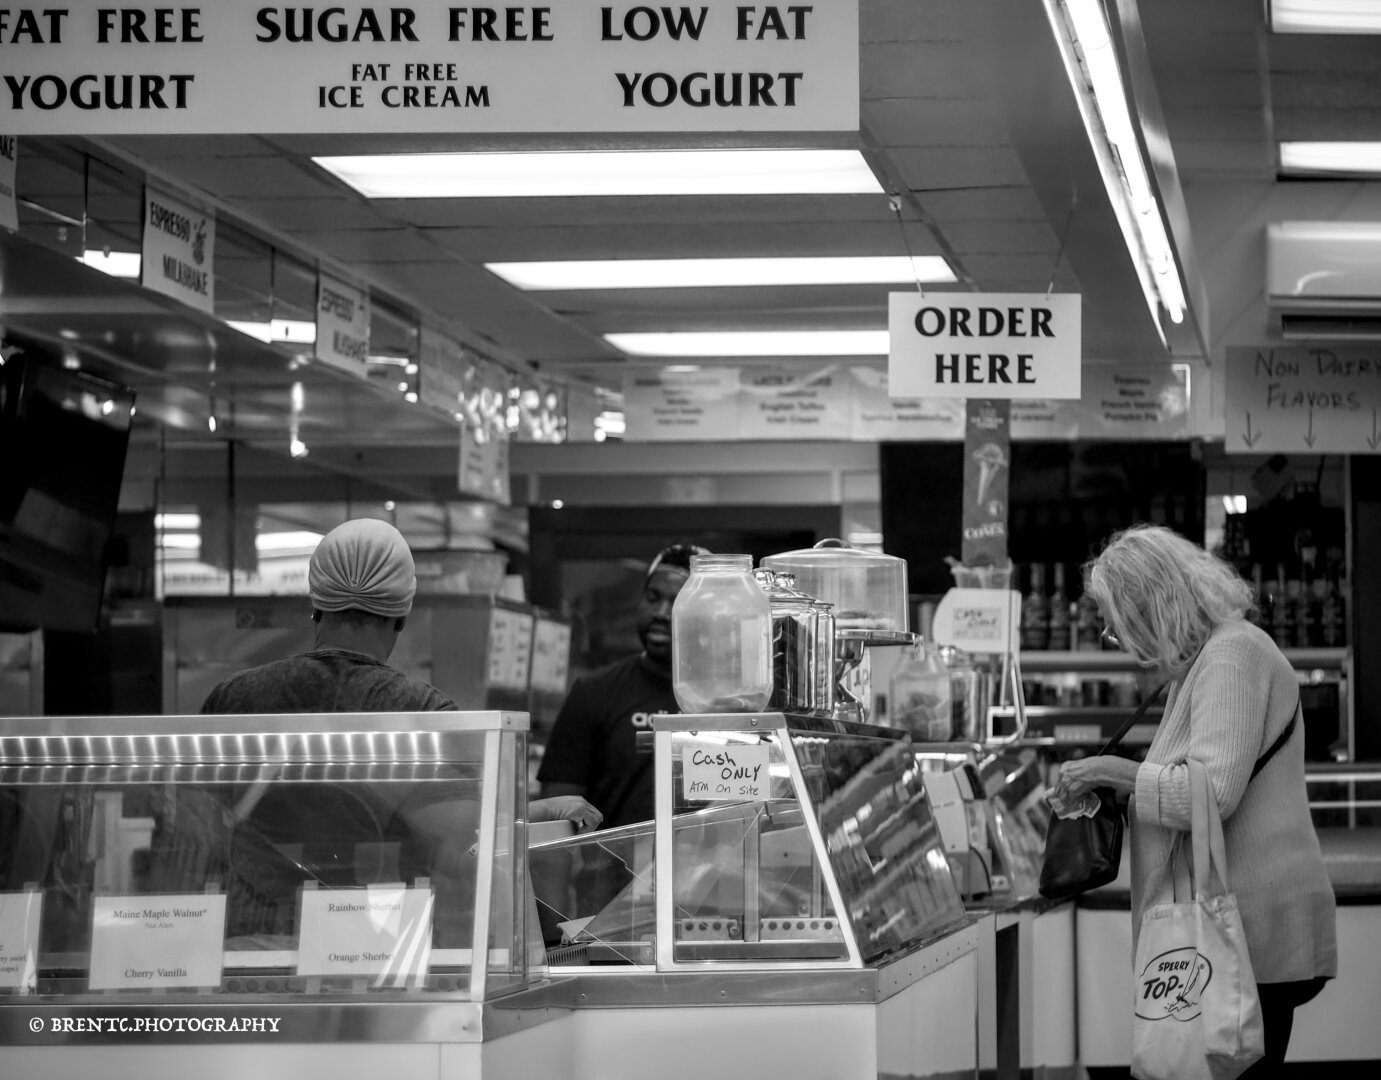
1197,1012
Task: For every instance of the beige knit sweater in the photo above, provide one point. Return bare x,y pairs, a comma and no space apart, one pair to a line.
1226,711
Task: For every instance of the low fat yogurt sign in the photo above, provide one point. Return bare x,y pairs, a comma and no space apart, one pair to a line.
984,345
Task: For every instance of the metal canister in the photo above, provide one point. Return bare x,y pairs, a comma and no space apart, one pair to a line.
969,695
802,646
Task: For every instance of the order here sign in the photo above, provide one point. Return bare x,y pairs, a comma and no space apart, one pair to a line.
984,345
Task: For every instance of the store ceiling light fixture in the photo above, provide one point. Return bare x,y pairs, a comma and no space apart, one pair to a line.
1081,29
1325,16
1331,158
120,264
556,174
722,273
753,343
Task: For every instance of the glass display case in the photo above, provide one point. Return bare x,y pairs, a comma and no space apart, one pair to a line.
780,840
355,857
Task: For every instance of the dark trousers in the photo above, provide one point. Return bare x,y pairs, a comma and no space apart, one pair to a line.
1278,1004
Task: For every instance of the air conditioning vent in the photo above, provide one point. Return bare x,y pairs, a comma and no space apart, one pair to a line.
1300,326
1323,279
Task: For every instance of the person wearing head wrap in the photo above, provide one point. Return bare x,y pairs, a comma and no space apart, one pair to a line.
592,750
361,580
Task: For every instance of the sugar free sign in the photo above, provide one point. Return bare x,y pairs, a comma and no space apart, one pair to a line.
984,345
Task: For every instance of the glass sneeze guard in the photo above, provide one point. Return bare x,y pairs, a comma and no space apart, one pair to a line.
352,855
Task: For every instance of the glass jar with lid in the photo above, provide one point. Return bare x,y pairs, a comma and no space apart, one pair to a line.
721,638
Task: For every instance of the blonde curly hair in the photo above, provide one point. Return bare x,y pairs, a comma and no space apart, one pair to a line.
1163,595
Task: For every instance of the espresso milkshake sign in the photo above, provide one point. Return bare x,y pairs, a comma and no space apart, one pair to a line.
239,66
179,250
984,345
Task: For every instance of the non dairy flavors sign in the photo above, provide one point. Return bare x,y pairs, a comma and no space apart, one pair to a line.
578,65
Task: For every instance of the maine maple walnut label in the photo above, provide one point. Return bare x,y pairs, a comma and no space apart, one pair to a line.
581,65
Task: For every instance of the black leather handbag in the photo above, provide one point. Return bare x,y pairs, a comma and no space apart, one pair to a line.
1085,852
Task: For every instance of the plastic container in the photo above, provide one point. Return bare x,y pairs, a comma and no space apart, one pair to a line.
921,695
867,589
721,638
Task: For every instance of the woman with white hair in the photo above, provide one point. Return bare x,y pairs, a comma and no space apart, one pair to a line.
1233,704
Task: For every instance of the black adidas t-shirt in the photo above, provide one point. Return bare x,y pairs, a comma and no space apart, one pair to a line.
593,742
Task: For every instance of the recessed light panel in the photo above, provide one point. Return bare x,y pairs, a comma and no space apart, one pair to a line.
754,343
1325,16
722,273
605,173
1331,158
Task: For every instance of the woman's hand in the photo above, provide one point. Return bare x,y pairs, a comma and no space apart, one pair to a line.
565,808
1101,770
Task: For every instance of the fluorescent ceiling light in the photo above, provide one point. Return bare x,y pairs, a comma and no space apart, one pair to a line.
1339,158
754,343
177,521
606,172
1092,66
120,264
296,331
721,273
303,540
1325,16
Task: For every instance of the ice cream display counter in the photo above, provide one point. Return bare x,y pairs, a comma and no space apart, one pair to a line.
283,895
795,884
218,895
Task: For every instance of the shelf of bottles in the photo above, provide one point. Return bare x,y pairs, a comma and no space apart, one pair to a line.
1078,689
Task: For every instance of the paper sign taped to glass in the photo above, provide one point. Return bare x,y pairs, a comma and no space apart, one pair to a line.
978,620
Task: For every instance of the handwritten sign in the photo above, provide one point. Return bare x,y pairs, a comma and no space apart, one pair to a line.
978,620
342,325
384,932
510,648
179,249
157,941
580,65
984,345
734,773
1305,399
19,914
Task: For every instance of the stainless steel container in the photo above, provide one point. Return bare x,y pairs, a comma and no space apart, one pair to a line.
803,673
970,695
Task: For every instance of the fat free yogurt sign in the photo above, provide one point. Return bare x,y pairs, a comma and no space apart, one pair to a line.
984,345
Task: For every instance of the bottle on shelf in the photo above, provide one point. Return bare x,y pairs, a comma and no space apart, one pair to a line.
1035,612
1059,623
1262,616
1282,610
1332,625
1087,624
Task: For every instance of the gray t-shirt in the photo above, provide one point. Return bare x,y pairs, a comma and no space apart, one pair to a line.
325,680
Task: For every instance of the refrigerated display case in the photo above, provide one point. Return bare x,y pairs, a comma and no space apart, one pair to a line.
794,881
262,882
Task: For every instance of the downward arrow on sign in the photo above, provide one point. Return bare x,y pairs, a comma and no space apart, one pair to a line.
1309,438
1371,442
1250,439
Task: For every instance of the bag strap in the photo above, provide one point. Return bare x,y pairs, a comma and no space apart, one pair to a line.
1281,740
1210,850
1111,744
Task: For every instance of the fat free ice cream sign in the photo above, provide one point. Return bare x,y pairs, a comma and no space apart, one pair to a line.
984,345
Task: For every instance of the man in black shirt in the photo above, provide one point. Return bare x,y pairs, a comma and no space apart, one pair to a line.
592,750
